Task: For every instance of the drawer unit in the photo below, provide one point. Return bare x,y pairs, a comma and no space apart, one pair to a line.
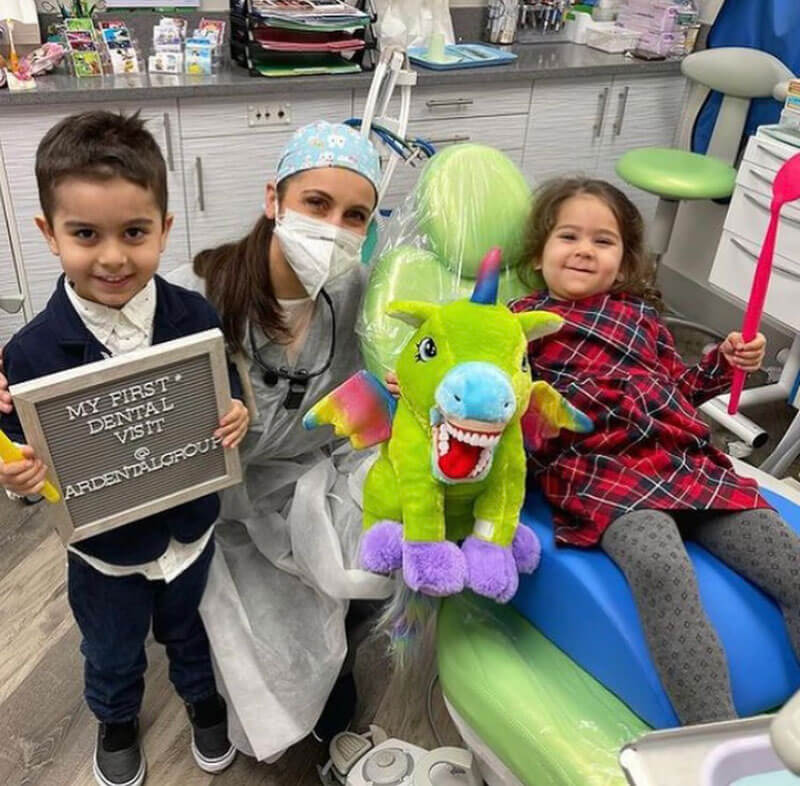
733,269
508,137
435,103
208,117
748,217
767,153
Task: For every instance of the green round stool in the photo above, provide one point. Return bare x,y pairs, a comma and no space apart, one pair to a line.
740,74
674,175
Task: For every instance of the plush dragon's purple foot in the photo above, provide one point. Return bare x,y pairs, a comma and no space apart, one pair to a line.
436,569
526,548
381,549
491,569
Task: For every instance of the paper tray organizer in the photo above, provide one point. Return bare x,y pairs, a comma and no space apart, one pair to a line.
269,47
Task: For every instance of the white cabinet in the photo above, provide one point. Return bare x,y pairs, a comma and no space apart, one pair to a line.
584,127
219,161
225,180
9,286
745,227
642,112
565,127
446,116
461,101
40,267
227,162
505,133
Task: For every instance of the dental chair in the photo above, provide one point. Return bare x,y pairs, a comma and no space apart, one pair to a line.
547,690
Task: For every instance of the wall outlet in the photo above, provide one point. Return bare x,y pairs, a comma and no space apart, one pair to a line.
269,115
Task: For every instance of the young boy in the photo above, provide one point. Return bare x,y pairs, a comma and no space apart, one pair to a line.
103,192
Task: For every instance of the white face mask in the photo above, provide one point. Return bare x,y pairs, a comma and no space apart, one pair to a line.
316,250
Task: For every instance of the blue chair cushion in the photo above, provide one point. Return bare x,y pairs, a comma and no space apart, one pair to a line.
580,600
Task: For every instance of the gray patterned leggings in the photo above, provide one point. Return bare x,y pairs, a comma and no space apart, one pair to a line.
647,545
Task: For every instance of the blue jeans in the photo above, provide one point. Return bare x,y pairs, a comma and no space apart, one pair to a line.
114,616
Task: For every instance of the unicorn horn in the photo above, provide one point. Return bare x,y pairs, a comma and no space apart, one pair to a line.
486,282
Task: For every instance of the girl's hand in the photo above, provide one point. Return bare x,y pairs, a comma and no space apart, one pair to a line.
748,356
391,383
26,477
233,426
5,397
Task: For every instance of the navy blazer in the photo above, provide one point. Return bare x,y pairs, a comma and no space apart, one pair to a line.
57,339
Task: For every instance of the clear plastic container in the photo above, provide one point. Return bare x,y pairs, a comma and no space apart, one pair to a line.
615,40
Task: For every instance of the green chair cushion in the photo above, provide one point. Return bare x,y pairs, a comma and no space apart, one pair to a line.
546,719
677,174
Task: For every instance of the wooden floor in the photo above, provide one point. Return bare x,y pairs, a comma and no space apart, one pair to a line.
46,731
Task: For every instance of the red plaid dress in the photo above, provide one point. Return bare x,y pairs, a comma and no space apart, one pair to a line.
616,361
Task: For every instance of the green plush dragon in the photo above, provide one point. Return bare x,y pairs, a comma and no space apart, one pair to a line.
453,468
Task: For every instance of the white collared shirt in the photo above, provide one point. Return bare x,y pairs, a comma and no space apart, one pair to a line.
123,330
120,330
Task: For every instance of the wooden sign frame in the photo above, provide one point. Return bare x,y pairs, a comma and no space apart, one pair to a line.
30,397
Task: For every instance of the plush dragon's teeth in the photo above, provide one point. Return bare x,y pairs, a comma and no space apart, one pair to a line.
483,462
443,441
472,437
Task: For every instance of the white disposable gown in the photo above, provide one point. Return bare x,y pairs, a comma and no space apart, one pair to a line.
285,563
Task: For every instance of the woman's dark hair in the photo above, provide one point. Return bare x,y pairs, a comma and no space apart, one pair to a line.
637,271
238,282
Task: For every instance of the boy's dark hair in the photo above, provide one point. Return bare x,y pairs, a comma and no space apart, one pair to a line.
637,269
100,145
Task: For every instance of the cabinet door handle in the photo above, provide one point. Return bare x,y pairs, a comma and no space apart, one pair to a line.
776,263
445,140
198,171
763,178
623,102
11,304
436,103
602,100
766,207
168,143
771,152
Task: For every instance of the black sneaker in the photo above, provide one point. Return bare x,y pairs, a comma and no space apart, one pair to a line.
211,748
118,759
338,711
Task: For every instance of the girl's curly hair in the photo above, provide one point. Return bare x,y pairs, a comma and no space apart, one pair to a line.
637,271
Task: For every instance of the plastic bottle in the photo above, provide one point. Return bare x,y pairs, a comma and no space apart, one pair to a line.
688,27
687,13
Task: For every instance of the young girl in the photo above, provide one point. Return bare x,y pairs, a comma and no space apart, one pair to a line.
279,586
648,475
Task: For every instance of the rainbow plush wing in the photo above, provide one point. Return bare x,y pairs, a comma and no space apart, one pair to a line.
361,408
549,412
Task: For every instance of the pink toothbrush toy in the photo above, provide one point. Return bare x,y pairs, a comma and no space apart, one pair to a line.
785,188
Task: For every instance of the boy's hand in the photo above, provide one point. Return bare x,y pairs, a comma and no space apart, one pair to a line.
24,478
748,356
5,397
391,383
233,426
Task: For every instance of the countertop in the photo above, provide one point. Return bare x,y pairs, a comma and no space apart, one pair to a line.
535,61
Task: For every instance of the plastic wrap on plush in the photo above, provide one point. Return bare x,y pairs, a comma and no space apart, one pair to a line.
468,199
